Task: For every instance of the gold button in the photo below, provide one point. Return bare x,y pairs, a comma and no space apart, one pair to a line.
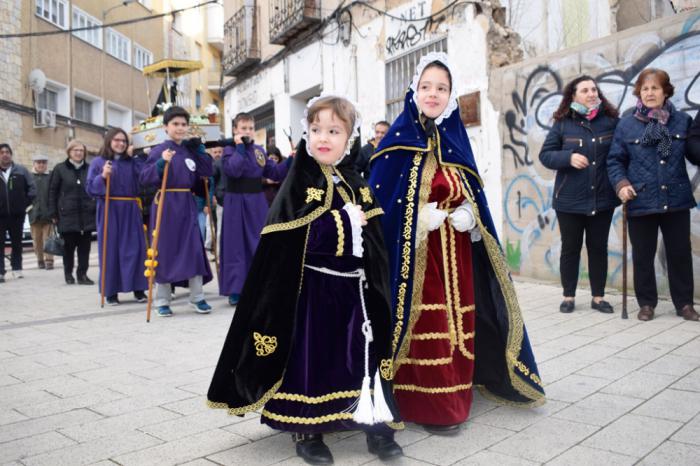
398,134
593,163
399,201
593,140
377,186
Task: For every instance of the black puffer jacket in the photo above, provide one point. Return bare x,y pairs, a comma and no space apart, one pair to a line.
585,191
18,193
68,200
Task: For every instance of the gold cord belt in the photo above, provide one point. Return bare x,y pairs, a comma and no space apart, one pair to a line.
123,198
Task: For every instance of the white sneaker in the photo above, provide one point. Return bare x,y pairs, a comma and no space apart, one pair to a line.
17,274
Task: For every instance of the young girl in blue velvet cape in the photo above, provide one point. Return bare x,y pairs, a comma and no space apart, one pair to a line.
457,323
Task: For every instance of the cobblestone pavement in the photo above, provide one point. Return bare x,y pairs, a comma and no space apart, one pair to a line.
84,385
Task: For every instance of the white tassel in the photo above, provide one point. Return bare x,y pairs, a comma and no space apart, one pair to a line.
381,412
363,412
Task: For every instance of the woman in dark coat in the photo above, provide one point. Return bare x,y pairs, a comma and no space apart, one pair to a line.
647,167
577,148
73,210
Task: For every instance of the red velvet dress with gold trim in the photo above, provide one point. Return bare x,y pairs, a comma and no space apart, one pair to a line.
434,382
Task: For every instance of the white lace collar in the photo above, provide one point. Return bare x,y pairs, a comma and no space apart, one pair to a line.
353,135
452,103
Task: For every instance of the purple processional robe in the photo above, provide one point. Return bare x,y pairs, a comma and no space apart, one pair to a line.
126,240
245,210
181,253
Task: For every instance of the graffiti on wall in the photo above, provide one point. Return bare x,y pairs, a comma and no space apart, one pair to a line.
531,234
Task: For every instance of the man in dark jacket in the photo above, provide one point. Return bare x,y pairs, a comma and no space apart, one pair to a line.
362,161
17,191
39,217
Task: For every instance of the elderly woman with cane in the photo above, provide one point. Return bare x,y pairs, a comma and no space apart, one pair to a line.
646,166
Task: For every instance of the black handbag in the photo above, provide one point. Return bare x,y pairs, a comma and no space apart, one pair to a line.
54,243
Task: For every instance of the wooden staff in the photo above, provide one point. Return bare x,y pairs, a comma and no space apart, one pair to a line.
212,226
152,252
104,242
624,260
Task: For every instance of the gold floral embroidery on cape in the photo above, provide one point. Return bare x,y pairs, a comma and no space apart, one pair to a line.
386,368
314,194
366,195
265,345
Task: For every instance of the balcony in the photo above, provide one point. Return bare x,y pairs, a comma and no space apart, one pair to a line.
289,17
213,81
215,26
241,41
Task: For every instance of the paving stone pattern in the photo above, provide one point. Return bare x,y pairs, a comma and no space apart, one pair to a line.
82,385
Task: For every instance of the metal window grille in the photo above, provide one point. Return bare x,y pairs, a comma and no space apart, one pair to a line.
399,72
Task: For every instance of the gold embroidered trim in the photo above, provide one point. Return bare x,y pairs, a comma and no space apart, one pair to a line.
366,194
432,307
405,252
497,399
420,260
313,194
343,194
386,369
316,399
310,217
307,420
265,345
374,212
434,390
516,325
444,234
396,425
431,336
341,232
426,362
428,149
248,408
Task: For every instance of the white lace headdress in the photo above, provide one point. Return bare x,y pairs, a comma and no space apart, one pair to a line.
353,135
452,103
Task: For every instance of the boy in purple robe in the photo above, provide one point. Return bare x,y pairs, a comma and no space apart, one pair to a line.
245,205
181,257
126,242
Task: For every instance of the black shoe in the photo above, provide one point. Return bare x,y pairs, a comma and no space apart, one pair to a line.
310,448
41,265
567,307
84,280
384,446
69,279
447,431
140,296
602,306
113,300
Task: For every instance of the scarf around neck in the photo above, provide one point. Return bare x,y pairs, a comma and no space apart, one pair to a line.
587,113
656,132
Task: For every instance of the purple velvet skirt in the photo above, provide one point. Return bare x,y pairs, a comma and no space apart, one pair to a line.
324,374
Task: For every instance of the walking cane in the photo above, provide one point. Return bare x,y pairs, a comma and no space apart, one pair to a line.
151,263
212,226
624,260
104,243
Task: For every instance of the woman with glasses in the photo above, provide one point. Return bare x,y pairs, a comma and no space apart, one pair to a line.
126,241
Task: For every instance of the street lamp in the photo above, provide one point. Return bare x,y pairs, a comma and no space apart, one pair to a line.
124,3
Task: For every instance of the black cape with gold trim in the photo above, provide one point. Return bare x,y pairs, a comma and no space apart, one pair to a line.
266,312
401,176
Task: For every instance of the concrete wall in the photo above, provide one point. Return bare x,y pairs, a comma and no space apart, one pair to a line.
526,95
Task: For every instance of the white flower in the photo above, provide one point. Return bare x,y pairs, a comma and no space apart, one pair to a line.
211,109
